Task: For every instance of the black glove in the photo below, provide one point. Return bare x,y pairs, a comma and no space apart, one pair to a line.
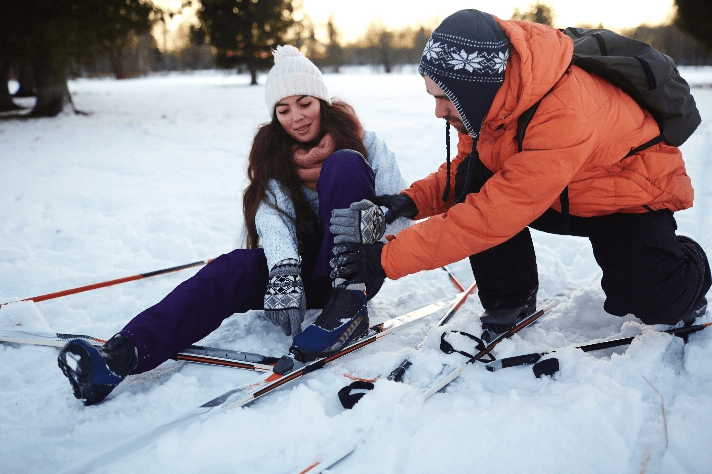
399,205
357,263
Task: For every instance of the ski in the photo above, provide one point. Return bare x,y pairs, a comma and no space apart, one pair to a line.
399,372
375,333
530,359
396,375
235,398
320,466
440,384
197,354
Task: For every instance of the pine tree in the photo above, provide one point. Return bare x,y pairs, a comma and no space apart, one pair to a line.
245,31
50,33
695,17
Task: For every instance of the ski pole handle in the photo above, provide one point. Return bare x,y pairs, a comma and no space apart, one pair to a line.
530,359
399,372
526,359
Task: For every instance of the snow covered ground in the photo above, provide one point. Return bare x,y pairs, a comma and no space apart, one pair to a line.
152,179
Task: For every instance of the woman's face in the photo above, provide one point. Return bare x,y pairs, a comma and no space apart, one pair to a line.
300,115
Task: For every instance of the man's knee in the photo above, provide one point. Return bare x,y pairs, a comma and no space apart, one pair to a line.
669,300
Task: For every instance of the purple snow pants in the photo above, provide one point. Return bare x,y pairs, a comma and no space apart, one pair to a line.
236,282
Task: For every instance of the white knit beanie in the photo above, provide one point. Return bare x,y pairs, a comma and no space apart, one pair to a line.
293,74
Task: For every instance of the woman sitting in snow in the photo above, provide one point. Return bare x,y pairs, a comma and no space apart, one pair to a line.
313,157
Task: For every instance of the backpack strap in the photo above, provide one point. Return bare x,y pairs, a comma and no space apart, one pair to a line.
645,145
565,215
522,124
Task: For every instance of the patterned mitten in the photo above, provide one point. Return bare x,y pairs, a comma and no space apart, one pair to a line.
285,302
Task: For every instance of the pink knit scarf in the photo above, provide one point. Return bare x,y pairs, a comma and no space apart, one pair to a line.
309,161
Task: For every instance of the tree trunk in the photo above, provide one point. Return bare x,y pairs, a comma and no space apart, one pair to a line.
26,78
115,57
6,103
253,75
52,91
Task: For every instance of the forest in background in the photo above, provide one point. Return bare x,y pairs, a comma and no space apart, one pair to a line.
379,46
46,42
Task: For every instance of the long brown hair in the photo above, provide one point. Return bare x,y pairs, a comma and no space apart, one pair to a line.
271,158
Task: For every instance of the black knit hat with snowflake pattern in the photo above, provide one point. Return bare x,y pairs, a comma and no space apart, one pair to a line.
466,56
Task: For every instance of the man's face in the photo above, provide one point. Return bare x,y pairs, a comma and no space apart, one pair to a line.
444,109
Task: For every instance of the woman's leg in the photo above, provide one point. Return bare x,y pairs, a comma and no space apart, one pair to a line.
345,178
232,283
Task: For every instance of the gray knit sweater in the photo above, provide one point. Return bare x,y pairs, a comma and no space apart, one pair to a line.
278,235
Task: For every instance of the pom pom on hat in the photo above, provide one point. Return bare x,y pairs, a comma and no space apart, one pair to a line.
286,51
293,74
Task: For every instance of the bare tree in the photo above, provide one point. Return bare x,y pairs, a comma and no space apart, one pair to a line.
334,52
538,12
378,40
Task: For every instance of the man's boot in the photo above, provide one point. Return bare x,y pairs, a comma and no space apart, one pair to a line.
497,321
694,252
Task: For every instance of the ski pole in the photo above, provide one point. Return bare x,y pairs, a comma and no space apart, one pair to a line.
104,284
530,359
453,279
398,373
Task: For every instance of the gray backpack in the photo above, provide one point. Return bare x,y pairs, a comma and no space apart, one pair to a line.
644,73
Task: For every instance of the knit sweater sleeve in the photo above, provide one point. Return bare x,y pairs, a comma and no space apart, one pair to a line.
277,232
389,179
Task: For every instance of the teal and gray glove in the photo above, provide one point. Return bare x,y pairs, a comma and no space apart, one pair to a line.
285,302
362,223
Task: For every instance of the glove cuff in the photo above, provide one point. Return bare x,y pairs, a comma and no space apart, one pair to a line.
410,210
372,260
288,266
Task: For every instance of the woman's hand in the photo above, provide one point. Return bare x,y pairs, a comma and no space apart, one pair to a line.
285,302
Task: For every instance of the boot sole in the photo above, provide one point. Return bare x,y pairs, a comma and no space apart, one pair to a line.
77,365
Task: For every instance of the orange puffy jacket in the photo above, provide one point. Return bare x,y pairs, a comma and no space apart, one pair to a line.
579,136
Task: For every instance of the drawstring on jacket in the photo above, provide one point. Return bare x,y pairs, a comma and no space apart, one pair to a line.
446,193
468,177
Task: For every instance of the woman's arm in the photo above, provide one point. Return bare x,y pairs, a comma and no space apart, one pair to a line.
389,179
278,235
